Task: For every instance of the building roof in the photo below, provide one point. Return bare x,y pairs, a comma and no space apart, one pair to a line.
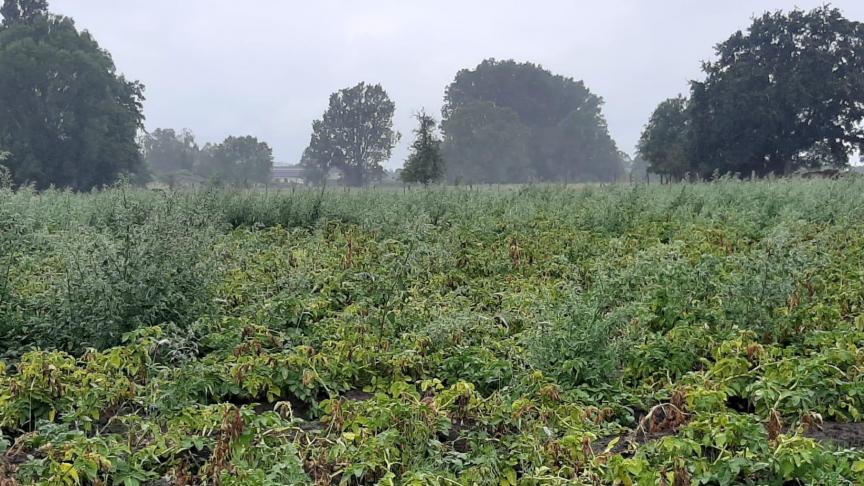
287,172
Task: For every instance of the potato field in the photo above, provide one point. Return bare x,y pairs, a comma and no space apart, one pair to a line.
510,336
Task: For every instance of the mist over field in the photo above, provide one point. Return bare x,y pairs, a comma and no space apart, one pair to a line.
267,70
389,243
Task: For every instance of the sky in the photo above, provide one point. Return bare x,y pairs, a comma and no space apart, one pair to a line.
267,67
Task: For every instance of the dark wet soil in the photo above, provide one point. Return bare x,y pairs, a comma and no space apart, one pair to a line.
307,423
842,435
357,395
627,444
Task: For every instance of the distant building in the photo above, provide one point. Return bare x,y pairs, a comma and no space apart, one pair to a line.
334,176
293,175
829,173
287,174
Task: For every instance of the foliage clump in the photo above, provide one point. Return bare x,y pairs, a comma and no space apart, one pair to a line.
786,95
505,121
68,118
354,136
425,164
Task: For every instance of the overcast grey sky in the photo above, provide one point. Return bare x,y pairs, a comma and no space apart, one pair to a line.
267,67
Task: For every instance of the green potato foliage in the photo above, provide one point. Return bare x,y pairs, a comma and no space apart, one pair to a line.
679,334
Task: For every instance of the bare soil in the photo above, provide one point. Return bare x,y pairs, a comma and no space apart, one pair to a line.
848,435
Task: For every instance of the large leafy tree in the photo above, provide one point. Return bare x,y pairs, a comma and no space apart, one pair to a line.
166,150
315,171
786,94
354,136
580,148
485,143
66,117
566,134
425,163
666,141
237,160
14,11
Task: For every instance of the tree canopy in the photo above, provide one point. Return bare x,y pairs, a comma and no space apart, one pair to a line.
355,135
486,143
66,117
786,94
424,164
558,120
166,150
14,11
237,160
638,169
666,140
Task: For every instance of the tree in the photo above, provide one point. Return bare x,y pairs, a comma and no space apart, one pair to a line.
566,134
785,95
425,163
485,143
580,148
167,151
315,171
237,160
639,169
355,135
23,10
666,140
67,118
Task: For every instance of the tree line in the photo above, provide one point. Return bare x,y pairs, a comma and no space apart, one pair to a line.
174,157
786,94
503,122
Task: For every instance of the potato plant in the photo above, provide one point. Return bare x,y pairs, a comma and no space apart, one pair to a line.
666,335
